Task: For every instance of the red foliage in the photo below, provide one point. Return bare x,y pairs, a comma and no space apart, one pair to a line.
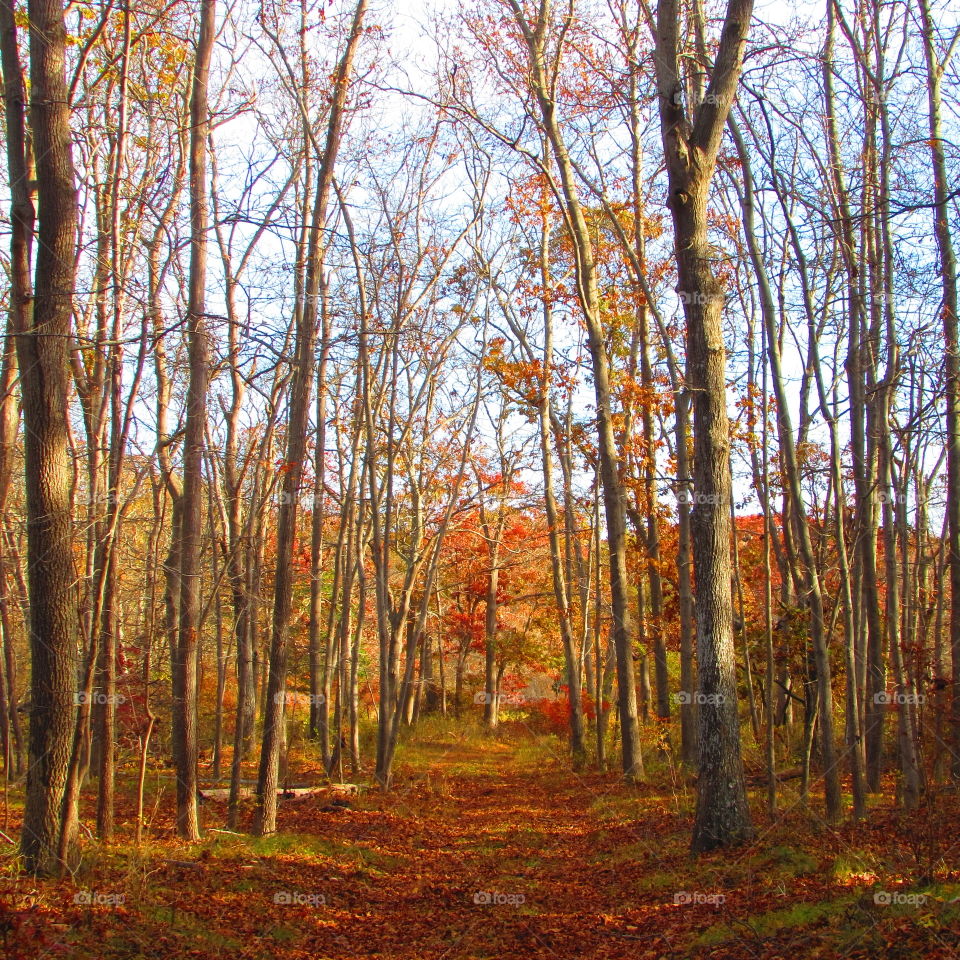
553,715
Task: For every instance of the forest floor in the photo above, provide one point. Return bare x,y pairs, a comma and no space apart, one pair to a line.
492,848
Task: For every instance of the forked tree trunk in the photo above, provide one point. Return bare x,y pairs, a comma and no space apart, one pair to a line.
691,145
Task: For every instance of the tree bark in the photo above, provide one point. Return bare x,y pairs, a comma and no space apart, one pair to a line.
22,222
191,517
42,349
266,813
691,145
948,279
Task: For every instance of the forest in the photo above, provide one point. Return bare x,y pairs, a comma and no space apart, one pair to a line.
480,479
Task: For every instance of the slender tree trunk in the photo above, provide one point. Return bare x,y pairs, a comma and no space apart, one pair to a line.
191,518
801,526
266,813
491,707
560,591
535,37
22,222
317,693
905,695
865,544
948,279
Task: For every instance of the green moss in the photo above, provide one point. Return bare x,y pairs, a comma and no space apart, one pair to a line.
615,808
797,915
283,934
786,861
302,847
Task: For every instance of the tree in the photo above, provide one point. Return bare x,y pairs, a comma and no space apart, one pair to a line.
536,33
42,350
191,517
801,526
948,278
266,815
691,142
22,223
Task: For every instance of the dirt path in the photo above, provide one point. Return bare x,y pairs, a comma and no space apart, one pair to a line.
482,855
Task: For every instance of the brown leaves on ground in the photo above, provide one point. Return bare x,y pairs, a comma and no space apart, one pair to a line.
487,849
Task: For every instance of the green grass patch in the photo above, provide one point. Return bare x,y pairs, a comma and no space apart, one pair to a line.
300,847
850,864
614,808
283,934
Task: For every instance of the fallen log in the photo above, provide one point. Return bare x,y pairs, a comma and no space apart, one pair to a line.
334,789
760,779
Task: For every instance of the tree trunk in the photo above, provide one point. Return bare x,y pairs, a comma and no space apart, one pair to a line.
691,145
586,282
191,528
42,348
948,279
266,813
800,525
22,222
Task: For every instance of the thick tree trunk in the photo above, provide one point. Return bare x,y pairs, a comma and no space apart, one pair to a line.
42,348
691,145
